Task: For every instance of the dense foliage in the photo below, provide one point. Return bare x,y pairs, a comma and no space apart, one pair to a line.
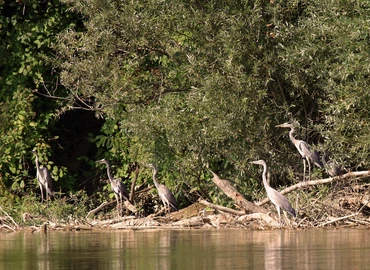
184,84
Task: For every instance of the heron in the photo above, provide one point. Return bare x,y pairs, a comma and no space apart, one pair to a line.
119,189
43,178
304,150
278,199
331,166
167,197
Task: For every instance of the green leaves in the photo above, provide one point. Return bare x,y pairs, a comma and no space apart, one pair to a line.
27,118
187,85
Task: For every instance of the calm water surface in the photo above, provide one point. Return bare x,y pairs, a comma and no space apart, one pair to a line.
187,249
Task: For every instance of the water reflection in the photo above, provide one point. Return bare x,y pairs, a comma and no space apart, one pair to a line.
187,249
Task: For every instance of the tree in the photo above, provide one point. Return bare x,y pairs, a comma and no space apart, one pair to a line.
195,84
27,117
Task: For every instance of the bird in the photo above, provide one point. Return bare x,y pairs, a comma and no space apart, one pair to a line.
304,150
43,178
119,189
278,199
331,166
167,197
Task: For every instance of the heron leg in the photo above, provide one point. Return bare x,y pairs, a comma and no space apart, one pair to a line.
287,219
278,210
304,169
47,191
309,169
118,205
165,207
42,194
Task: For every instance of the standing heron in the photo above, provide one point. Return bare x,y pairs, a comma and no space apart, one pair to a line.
278,199
119,189
304,150
164,193
43,178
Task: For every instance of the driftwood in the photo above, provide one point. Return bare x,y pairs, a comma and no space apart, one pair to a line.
189,222
126,203
318,182
260,216
92,212
235,195
2,221
130,206
338,219
221,208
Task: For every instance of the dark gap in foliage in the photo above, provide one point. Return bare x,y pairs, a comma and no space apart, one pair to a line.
74,148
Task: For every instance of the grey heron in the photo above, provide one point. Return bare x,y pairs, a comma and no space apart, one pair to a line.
43,178
164,193
119,189
304,150
278,199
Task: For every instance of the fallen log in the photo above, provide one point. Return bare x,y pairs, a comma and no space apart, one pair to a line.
130,206
235,195
92,212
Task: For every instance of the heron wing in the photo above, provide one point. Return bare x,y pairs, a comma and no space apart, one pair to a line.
280,200
166,194
315,158
46,180
303,148
119,188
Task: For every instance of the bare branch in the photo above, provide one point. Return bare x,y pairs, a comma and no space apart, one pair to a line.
320,182
9,217
338,219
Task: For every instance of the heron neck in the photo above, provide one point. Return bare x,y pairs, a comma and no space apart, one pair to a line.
154,178
108,172
291,135
37,164
264,177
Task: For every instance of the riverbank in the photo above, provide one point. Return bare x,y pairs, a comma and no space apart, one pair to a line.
326,203
201,216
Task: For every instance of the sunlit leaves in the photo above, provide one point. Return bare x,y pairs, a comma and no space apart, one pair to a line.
26,118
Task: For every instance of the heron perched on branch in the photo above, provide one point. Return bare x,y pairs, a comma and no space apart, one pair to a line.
164,193
43,178
119,189
304,150
278,199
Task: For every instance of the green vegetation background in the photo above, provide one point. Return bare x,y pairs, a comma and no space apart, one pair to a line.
183,84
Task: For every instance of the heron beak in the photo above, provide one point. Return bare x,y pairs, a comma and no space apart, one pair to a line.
284,125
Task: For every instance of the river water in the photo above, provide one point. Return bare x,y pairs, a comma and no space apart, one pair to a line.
187,249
